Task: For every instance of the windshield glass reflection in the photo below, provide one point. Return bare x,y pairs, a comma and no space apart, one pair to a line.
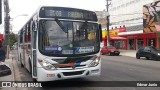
64,37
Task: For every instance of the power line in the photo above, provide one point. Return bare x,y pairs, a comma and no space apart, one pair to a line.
127,14
125,23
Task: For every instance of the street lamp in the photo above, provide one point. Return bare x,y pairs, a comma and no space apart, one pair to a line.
7,32
11,19
107,18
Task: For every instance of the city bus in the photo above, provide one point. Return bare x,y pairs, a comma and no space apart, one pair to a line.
60,43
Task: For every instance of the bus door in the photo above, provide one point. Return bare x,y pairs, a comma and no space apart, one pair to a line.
34,55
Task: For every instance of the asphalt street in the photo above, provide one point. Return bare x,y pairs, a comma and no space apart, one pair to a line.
114,68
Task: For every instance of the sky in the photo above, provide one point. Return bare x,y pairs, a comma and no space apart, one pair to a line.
20,7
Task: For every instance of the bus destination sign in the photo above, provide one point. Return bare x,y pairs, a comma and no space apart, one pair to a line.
67,13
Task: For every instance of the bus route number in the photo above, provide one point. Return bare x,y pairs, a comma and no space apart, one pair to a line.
54,13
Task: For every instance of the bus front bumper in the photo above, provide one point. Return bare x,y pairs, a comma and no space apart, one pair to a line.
52,75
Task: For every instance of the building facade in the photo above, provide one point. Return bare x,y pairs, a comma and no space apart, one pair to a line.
129,13
151,21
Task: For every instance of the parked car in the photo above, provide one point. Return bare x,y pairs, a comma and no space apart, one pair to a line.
109,50
148,52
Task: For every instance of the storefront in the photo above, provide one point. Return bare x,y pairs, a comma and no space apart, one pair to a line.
118,42
115,40
136,41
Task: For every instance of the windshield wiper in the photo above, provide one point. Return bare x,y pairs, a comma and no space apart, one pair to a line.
61,26
83,26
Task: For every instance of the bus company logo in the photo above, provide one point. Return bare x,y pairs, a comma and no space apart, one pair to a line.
20,84
6,84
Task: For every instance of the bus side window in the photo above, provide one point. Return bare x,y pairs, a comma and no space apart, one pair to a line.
21,36
29,32
26,33
29,46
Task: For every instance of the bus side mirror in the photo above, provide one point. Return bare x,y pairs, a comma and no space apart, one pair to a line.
100,32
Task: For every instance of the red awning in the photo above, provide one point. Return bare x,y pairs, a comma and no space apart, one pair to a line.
118,38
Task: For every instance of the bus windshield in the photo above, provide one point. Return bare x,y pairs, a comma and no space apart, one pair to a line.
67,38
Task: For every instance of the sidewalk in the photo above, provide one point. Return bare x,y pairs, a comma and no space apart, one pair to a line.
131,53
8,77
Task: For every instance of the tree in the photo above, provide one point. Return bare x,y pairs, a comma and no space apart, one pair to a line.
13,39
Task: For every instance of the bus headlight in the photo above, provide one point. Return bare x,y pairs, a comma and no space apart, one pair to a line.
46,65
94,62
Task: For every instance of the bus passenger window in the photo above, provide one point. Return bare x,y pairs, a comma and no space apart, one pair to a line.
29,32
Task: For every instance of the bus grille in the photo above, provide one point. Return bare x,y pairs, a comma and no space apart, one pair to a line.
73,73
71,67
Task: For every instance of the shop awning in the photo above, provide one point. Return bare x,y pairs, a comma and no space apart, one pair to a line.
118,38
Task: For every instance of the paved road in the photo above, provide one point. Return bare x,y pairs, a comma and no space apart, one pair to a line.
114,68
130,69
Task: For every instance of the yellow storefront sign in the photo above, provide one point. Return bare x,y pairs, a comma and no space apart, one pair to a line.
111,33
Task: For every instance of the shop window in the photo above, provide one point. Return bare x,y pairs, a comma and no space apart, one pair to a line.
119,44
131,44
139,43
151,42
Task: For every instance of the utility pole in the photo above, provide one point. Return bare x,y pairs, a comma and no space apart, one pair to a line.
6,27
107,18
